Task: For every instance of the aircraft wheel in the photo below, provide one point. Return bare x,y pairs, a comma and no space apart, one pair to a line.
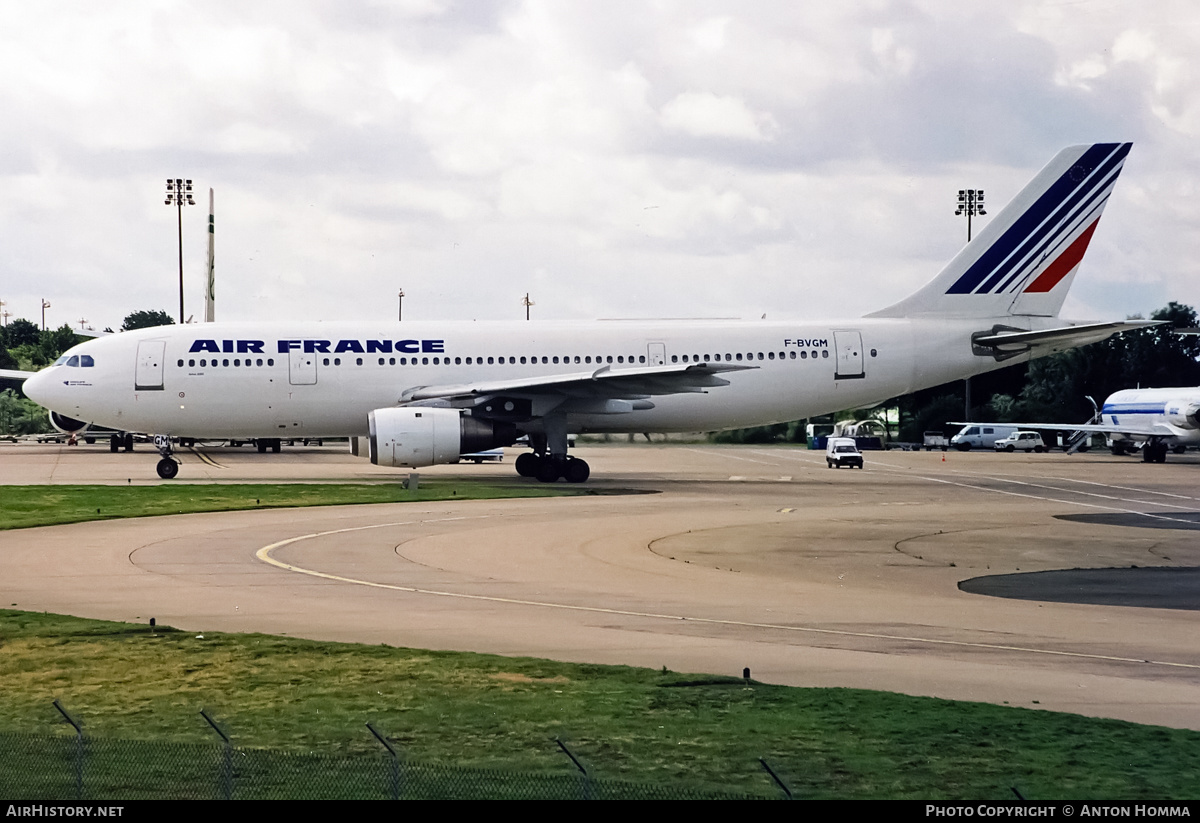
276,445
128,442
577,470
167,468
549,471
261,445
114,443
527,464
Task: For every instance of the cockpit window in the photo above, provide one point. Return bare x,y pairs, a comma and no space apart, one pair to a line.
74,361
60,361
86,360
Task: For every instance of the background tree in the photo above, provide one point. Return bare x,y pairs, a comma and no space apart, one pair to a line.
22,332
54,342
19,415
146,320
1057,387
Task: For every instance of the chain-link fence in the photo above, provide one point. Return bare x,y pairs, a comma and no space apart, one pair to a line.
79,767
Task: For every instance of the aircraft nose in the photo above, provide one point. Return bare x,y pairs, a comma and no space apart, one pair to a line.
39,388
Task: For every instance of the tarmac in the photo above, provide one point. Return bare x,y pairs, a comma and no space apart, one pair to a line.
949,575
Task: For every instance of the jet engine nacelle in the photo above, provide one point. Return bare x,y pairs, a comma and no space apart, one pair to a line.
67,425
1183,414
415,436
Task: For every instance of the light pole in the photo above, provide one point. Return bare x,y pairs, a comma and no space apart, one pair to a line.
179,193
400,308
45,305
526,302
970,203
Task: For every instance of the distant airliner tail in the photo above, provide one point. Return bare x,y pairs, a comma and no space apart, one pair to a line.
1023,261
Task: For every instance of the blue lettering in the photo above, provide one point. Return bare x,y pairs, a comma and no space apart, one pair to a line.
384,346
436,346
409,346
204,345
250,346
348,345
311,346
287,345
227,346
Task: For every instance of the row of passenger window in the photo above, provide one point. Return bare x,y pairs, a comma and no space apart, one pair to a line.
237,361
620,359
578,359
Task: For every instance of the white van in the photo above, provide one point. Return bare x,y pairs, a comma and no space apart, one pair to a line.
842,451
981,436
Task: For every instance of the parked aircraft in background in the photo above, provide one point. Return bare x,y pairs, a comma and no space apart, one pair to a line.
418,394
1155,419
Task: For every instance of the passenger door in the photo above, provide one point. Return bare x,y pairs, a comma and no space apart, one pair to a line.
148,376
848,348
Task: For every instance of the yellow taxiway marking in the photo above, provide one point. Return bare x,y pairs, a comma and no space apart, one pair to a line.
206,458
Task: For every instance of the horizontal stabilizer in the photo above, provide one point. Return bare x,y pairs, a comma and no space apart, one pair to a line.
1058,339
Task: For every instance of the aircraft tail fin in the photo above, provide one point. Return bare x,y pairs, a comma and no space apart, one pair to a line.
1023,261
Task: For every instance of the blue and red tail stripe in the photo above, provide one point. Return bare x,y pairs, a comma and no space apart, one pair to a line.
1072,201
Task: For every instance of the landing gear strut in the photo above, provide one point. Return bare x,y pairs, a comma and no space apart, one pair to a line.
167,467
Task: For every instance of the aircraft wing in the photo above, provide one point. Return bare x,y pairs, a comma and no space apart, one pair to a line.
602,383
1062,337
14,374
1157,430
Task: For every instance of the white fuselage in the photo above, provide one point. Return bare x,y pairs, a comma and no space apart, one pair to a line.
1174,414
323,378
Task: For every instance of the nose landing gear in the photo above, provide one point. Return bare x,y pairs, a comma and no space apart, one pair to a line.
167,467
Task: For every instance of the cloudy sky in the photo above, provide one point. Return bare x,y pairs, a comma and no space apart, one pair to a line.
612,159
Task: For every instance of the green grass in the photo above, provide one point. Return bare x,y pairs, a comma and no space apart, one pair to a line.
25,506
633,724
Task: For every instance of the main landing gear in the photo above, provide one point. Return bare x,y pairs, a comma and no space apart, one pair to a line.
167,467
549,461
548,469
1154,452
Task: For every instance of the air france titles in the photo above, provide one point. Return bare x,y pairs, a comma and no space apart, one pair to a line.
323,346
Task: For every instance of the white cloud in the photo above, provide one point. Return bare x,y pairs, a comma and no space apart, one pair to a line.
703,114
679,157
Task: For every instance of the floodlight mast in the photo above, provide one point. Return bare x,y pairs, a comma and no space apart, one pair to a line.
179,194
970,203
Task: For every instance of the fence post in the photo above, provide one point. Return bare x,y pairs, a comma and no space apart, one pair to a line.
778,780
78,750
587,779
226,760
395,762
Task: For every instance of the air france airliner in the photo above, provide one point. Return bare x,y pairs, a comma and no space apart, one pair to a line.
419,394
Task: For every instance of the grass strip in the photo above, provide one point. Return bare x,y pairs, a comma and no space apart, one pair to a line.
25,506
125,681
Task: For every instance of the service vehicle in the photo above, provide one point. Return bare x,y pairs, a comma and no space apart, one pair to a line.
842,451
1021,441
